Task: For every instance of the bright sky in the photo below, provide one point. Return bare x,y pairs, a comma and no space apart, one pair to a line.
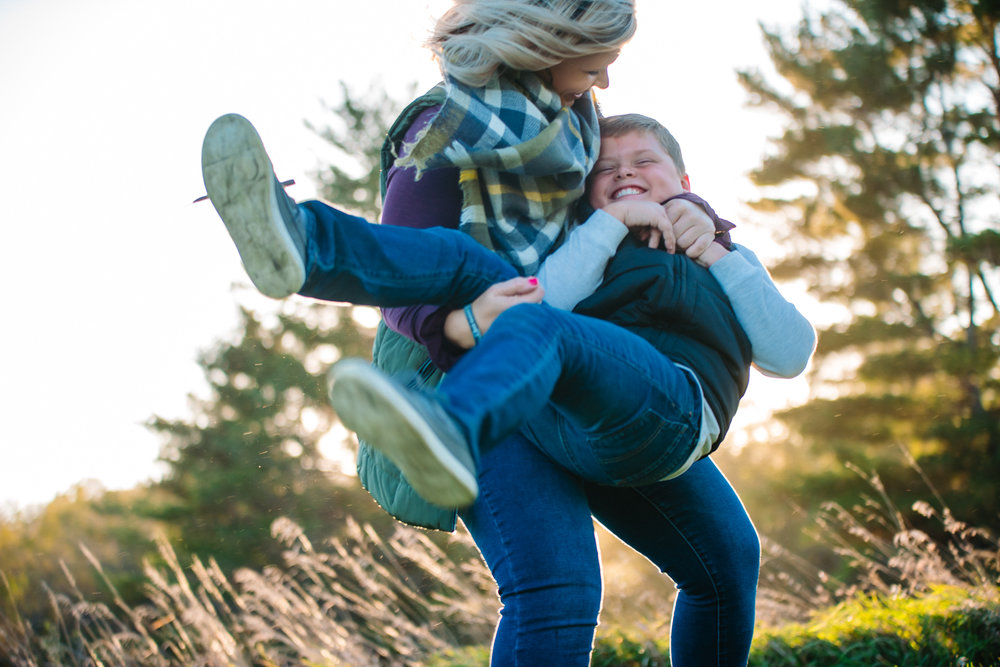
113,281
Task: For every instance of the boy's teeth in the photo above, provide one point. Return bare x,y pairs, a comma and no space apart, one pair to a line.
627,191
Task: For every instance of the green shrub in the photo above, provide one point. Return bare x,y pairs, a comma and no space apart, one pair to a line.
365,599
621,649
946,626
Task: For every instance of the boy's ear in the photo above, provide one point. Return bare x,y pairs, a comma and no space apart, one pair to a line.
686,183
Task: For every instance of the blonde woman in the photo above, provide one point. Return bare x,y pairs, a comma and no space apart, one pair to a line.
501,151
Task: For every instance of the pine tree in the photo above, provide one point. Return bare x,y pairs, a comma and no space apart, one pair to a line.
250,452
356,135
886,182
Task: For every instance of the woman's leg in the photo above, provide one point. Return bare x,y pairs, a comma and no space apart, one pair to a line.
533,526
318,251
696,530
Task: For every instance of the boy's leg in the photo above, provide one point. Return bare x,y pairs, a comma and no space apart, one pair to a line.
318,251
623,413
352,260
598,399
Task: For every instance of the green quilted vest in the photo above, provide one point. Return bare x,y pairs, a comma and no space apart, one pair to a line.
395,353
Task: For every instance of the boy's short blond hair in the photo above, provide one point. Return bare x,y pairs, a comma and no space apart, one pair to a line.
616,126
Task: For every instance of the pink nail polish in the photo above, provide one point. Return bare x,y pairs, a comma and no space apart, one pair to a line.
533,281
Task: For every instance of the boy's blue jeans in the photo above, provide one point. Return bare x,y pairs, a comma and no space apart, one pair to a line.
606,409
602,401
351,260
596,398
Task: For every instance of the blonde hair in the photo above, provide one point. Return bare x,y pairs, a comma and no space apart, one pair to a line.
476,38
616,126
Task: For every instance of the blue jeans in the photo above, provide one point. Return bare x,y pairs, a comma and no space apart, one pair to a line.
351,260
597,399
619,414
532,522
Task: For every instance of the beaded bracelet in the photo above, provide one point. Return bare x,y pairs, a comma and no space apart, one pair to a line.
477,335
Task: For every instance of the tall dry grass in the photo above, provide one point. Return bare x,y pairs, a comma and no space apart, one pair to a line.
366,600
363,600
882,552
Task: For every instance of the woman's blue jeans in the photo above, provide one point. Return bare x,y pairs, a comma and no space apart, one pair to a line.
606,409
533,524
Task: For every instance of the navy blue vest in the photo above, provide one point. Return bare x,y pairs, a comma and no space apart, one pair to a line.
680,308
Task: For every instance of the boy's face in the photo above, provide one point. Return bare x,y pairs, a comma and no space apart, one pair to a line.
634,166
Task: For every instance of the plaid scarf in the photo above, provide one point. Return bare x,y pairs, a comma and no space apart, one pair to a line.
523,161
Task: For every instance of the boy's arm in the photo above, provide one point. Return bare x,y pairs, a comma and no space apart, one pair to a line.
782,339
575,270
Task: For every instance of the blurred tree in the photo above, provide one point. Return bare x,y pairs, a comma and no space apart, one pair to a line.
250,453
39,547
360,124
885,179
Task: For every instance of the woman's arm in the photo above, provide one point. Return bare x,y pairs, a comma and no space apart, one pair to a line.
433,201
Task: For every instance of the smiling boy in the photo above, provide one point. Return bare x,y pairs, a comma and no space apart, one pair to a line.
641,165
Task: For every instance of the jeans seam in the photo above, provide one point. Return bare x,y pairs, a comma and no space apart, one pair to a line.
704,565
645,476
486,496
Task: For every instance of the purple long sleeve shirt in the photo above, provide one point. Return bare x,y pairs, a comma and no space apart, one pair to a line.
433,201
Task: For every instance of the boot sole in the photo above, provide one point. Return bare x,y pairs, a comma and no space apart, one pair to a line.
373,407
240,182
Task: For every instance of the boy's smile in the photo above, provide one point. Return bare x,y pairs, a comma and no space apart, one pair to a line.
627,191
634,166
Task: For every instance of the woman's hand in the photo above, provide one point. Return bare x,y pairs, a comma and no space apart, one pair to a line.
488,306
647,219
